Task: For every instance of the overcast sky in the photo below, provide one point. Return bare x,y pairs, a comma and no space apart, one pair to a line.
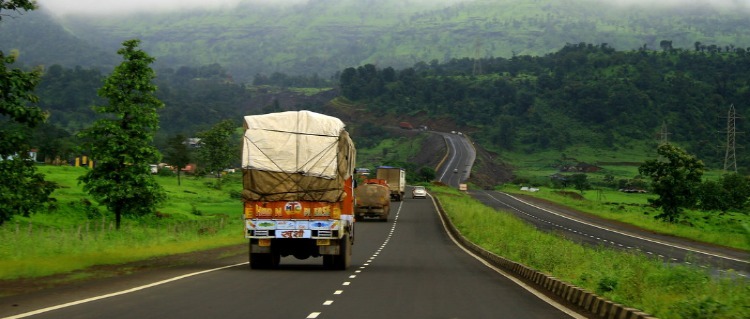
62,7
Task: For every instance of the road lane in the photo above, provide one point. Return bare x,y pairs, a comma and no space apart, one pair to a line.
460,157
405,268
423,274
596,232
600,233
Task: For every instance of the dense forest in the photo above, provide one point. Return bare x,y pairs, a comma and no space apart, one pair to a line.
582,94
195,98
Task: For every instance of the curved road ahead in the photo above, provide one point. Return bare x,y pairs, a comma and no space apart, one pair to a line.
456,167
406,268
591,230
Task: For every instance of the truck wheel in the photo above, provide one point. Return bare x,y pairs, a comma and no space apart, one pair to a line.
260,261
328,261
384,217
344,259
265,260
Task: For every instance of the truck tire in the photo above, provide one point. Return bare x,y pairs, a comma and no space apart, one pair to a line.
265,260
384,217
343,260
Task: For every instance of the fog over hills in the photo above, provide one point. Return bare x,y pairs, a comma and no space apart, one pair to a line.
249,37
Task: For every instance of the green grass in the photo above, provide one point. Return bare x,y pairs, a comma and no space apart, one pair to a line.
398,149
726,229
77,233
632,279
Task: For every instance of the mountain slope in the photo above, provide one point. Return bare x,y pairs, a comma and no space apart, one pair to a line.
325,36
41,40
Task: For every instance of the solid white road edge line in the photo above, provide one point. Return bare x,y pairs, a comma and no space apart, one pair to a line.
518,282
78,302
690,249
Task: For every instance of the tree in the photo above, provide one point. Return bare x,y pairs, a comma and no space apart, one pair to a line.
675,178
178,154
711,196
121,143
425,174
217,148
580,182
737,188
666,45
22,189
16,5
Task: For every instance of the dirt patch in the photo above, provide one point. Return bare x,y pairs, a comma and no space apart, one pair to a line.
488,171
432,151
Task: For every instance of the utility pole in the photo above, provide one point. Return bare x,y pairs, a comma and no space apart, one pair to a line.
730,156
664,134
477,69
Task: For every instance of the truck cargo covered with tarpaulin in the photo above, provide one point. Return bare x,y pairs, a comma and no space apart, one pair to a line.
295,156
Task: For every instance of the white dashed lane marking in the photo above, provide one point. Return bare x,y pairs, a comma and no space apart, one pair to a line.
359,270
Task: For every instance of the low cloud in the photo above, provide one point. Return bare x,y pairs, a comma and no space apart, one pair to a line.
97,7
667,3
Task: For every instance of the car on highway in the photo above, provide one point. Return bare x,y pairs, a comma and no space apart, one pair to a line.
455,170
419,192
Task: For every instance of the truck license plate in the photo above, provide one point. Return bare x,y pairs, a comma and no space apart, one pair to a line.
264,242
324,242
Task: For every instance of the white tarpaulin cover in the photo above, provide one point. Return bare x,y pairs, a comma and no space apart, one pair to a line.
295,155
292,142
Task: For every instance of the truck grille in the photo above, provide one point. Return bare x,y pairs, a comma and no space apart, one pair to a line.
261,233
325,233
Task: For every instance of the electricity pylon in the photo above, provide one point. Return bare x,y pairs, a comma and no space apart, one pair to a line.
730,156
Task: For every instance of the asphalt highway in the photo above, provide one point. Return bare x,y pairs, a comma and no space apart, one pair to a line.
407,267
591,230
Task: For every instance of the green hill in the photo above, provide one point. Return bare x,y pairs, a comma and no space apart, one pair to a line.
324,37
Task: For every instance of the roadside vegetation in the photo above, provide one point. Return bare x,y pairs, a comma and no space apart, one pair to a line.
636,280
76,233
720,229
616,190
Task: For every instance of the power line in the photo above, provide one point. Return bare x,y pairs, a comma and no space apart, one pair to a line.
730,156
477,69
664,134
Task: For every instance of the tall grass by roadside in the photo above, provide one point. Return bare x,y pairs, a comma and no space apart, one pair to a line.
28,250
76,233
633,279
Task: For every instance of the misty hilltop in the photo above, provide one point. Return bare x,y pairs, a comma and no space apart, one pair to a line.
249,37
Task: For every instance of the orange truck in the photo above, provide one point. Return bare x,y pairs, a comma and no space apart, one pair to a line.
298,191
373,200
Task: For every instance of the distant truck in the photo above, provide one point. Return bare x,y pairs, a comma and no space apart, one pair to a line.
396,179
373,199
406,125
298,190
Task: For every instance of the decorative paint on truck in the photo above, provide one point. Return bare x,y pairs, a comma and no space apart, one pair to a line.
298,188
